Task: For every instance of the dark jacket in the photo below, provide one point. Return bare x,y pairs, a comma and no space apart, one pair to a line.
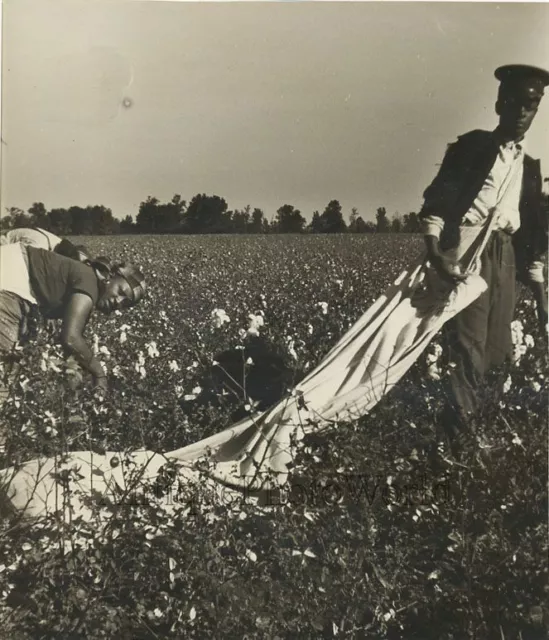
464,169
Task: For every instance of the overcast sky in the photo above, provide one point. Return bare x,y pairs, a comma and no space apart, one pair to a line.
262,103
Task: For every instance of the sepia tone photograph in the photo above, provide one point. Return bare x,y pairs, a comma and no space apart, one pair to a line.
273,320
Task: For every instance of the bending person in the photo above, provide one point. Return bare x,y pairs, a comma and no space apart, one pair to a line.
61,288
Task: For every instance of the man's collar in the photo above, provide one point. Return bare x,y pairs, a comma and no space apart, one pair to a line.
519,144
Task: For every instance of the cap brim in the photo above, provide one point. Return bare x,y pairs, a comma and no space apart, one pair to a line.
516,71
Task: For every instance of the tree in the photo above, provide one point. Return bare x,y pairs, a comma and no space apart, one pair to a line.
396,223
241,220
146,221
357,225
315,226
15,219
127,225
382,222
103,222
81,221
170,215
207,214
411,223
39,216
60,221
289,219
332,218
258,221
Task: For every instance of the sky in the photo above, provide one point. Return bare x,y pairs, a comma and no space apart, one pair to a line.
261,103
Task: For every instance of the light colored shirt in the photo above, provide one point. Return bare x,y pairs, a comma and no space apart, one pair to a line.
501,190
14,272
33,237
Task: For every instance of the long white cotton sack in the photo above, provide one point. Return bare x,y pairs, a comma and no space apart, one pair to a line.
254,454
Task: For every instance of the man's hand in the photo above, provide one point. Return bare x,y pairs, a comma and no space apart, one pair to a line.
447,269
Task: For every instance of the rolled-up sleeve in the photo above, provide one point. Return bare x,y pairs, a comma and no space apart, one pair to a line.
535,271
432,225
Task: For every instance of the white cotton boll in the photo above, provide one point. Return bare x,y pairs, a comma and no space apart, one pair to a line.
255,319
516,440
507,384
152,349
433,372
255,324
251,555
50,417
291,349
174,366
219,317
529,340
123,337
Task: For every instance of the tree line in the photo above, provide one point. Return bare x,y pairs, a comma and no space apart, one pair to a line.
203,214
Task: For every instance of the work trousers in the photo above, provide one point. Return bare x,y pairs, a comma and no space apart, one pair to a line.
14,315
479,338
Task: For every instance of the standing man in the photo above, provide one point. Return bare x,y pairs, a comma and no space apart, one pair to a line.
485,171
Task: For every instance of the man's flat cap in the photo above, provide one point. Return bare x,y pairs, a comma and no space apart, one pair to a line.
518,73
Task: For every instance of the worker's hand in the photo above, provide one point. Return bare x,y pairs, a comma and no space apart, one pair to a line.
447,269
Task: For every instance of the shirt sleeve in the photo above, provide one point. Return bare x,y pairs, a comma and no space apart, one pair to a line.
84,280
535,271
432,225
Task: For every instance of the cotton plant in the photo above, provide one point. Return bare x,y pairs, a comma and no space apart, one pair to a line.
218,318
256,322
434,370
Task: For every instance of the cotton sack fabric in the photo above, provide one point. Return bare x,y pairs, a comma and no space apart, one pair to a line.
254,454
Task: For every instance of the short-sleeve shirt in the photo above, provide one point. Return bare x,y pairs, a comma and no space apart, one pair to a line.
54,278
